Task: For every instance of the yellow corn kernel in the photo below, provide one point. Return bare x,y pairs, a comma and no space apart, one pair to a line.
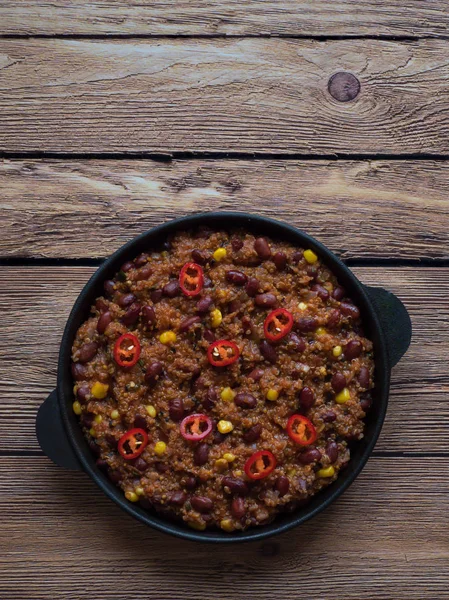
272,395
115,414
197,526
77,408
92,432
310,256
227,525
327,472
160,448
291,472
343,396
140,491
150,410
168,337
98,418
229,457
227,394
131,496
238,473
336,351
216,318
320,331
221,464
302,306
225,426
99,390
219,254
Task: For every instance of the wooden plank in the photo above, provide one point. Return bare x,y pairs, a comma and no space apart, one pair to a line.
243,95
286,17
60,534
35,303
45,204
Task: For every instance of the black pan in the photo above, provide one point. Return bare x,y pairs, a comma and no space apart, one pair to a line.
385,319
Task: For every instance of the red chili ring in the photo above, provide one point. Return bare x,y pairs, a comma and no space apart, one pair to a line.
258,460
195,421
128,356
218,355
307,434
191,284
281,327
134,444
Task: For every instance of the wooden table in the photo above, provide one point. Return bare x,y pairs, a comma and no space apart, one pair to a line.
116,116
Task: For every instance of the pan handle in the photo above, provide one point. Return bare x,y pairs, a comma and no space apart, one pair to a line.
51,434
394,320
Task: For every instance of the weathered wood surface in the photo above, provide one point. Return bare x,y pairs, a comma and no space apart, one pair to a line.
386,537
233,17
86,209
243,95
35,303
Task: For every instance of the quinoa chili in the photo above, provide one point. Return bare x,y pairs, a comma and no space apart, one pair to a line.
220,380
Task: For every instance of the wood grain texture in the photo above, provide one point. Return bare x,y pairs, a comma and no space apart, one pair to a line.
35,303
375,209
61,538
245,95
233,17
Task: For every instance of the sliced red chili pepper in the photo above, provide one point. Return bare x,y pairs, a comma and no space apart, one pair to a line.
191,279
127,350
277,324
133,443
222,353
196,427
260,464
301,430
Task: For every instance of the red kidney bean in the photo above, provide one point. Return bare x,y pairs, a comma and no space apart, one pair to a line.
353,349
156,296
143,273
210,399
306,324
177,498
190,482
236,244
332,451
83,392
148,315
87,352
132,314
238,507
321,291
245,400
171,289
110,439
141,260
338,293
86,420
209,335
103,321
161,467
236,277
109,287
204,304
218,437
312,271
115,476
366,401
282,485
338,382
306,397
153,372
364,377
125,300
268,352
297,256
188,323
333,319
234,306
329,416
309,456
127,266
198,257
235,486
140,464
296,343
256,374
140,422
102,464
200,384
201,455
176,409
79,371
95,448
280,260
350,310
252,286
252,434
265,300
201,503
262,248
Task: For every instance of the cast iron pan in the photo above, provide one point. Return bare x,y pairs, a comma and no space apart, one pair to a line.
386,321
